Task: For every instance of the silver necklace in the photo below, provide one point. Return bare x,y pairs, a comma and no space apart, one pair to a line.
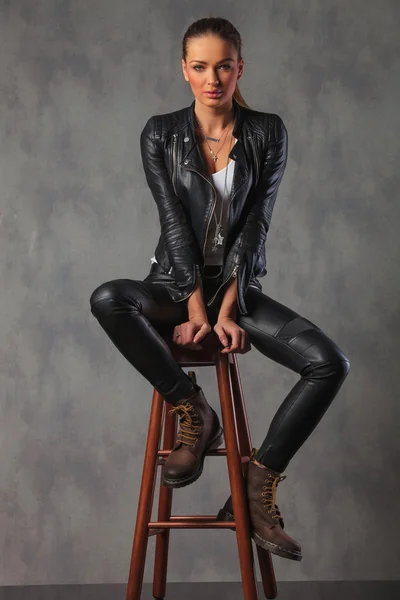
213,154
218,239
207,137
212,139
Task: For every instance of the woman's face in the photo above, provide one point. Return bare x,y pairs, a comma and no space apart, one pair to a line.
211,64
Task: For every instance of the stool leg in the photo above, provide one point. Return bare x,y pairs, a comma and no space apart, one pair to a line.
242,423
164,514
267,572
264,556
146,496
236,480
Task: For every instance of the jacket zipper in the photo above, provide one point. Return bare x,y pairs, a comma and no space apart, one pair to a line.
234,271
175,135
233,274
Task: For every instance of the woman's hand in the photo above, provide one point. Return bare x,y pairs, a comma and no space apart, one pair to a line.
191,332
227,327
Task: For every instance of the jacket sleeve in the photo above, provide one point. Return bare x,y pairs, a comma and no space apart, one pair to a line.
176,231
253,233
249,243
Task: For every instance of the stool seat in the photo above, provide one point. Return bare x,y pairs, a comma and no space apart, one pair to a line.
238,450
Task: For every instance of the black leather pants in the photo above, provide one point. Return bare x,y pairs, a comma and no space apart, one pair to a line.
134,314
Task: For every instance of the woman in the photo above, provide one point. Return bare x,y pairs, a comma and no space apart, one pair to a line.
214,169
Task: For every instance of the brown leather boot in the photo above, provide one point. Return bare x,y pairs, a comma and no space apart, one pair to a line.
267,531
266,520
200,430
226,512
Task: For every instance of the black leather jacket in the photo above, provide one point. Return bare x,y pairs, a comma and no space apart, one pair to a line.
178,177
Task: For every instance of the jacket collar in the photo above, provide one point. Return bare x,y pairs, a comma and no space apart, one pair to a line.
192,156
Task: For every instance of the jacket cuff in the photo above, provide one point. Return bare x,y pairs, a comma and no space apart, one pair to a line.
185,279
248,263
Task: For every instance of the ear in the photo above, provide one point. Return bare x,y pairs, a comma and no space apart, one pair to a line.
184,70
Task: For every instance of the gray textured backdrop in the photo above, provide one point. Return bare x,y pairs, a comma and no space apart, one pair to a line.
78,82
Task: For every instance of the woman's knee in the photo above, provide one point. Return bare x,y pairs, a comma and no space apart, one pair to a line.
323,356
113,293
105,291
327,361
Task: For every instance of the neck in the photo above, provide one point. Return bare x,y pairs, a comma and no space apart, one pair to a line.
214,119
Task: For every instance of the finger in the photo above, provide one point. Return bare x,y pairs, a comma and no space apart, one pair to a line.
187,330
201,333
176,337
223,337
235,344
190,334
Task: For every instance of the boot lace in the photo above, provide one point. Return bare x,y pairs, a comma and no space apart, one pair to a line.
254,451
270,496
190,424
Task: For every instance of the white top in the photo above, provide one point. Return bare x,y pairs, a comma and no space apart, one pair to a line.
219,177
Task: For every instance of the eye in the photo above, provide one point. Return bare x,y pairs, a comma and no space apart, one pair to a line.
196,67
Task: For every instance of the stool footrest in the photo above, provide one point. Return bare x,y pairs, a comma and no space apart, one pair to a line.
215,452
189,522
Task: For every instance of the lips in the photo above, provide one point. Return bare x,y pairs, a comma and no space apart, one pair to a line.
214,93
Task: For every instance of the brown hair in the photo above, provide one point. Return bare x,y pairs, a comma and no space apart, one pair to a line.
225,30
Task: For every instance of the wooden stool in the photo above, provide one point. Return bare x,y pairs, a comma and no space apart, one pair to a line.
238,450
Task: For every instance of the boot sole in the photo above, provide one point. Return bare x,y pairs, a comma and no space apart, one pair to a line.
275,548
224,515
216,442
